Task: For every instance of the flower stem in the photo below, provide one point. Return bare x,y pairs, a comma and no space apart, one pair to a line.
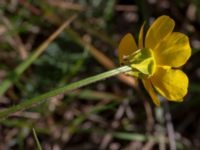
38,99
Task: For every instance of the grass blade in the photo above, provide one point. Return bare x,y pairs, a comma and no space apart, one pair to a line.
36,140
14,75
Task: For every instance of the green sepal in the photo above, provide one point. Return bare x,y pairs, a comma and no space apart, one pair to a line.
142,63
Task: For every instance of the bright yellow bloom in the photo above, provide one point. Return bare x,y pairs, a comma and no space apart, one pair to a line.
157,58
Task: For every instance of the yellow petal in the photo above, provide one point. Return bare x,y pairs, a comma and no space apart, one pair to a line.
173,51
141,37
150,90
161,28
170,83
127,46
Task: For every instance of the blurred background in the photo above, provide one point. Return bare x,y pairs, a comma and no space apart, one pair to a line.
113,114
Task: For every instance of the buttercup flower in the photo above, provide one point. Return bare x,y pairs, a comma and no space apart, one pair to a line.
157,58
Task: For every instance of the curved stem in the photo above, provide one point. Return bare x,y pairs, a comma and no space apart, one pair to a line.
38,99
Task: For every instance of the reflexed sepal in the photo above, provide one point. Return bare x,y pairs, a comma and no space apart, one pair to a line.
142,63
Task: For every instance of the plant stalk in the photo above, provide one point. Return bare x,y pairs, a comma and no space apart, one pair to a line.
38,99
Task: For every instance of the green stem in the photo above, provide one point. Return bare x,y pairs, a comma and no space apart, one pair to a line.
28,103
37,140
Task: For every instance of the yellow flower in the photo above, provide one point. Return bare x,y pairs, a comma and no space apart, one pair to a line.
157,61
